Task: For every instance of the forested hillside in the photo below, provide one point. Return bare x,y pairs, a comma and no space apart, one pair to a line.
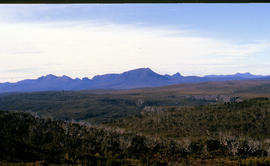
250,118
101,106
90,106
224,134
25,138
218,123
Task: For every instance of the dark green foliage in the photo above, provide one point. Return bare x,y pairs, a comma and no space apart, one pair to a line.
92,107
25,138
231,129
70,105
248,118
178,136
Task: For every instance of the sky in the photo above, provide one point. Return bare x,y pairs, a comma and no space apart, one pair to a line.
87,40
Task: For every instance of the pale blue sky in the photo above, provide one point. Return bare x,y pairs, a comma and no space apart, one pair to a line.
85,40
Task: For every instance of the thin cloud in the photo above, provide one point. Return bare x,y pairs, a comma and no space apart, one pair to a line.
87,48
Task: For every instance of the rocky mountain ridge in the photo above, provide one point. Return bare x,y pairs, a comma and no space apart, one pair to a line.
138,78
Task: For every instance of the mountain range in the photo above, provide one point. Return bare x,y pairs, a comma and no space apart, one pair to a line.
138,78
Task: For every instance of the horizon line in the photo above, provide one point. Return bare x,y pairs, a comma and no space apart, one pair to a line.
81,78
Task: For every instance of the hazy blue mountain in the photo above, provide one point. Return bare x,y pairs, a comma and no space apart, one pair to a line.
263,78
237,76
138,78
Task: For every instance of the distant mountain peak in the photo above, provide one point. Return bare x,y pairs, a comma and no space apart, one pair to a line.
66,78
177,75
48,77
140,70
136,78
53,77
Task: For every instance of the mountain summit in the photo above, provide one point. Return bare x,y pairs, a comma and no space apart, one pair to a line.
137,78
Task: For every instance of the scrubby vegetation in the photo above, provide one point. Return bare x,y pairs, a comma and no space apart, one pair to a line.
216,134
219,130
204,124
98,106
248,118
25,138
93,107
